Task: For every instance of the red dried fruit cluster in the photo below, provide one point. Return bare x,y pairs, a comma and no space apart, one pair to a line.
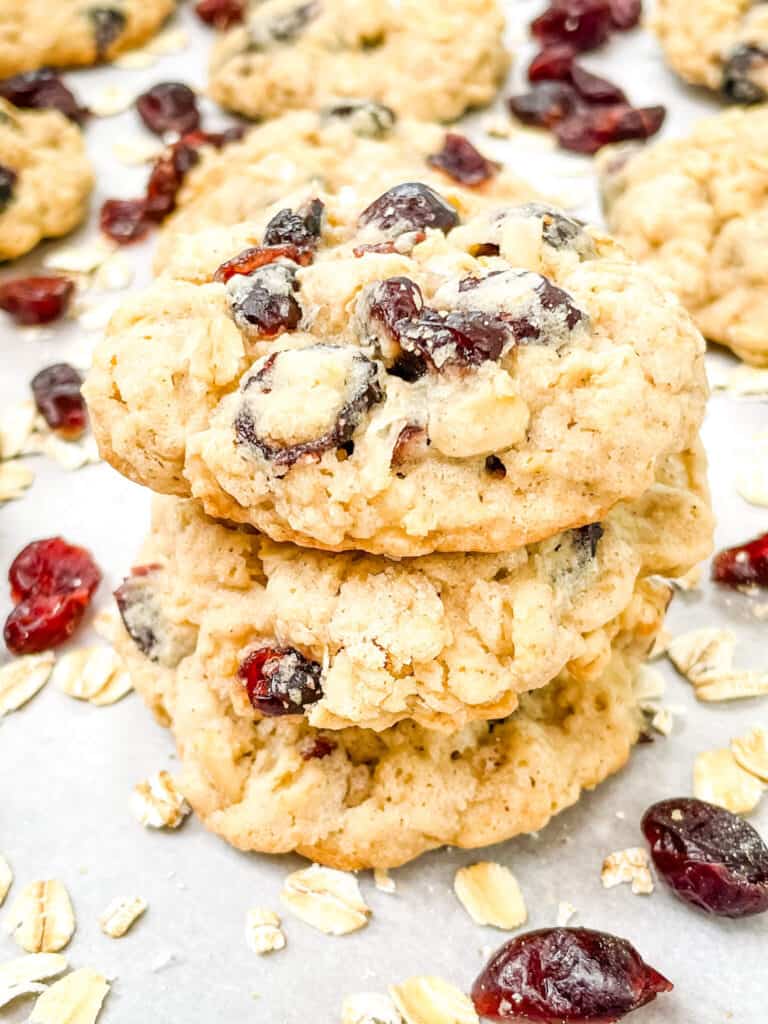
128,220
460,160
42,90
281,681
743,566
169,107
36,300
562,975
221,13
585,111
52,583
56,391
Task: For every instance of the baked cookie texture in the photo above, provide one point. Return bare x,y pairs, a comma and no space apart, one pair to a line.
353,151
69,33
696,210
428,60
356,798
45,178
719,44
477,387
442,639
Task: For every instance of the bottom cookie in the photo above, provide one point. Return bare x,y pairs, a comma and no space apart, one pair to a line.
357,799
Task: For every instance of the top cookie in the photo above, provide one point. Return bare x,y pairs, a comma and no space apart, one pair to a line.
45,178
720,44
353,151
66,33
430,59
696,209
424,386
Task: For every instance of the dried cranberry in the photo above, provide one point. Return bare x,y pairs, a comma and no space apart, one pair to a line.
251,259
169,107
52,583
461,161
300,228
7,183
318,748
495,467
552,64
744,73
365,117
281,681
263,303
36,300
558,230
588,537
464,337
710,857
124,220
108,23
584,24
587,130
561,975
594,89
386,304
221,13
158,637
546,105
42,90
411,206
56,391
625,14
744,565
412,441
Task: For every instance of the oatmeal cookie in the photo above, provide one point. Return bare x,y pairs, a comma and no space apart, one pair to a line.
68,33
441,639
429,60
696,210
425,386
357,798
719,44
353,151
45,178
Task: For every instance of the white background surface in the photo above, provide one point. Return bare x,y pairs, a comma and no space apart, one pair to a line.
67,769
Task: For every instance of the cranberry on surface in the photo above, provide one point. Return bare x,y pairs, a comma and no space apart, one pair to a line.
7,183
594,89
626,14
545,105
41,90
281,681
591,128
460,160
169,107
52,583
743,565
411,206
553,64
710,857
107,23
56,391
124,220
564,975
584,24
221,13
36,300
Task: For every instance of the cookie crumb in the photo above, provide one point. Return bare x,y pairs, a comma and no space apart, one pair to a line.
383,881
262,931
630,865
157,802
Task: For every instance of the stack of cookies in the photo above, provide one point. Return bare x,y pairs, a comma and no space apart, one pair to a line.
428,448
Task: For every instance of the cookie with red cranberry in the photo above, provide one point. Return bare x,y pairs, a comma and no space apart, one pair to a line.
432,61
719,44
441,639
64,33
424,386
45,178
356,798
696,210
356,150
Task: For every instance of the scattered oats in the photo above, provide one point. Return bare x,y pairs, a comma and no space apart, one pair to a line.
383,881
111,100
490,894
369,1008
120,685
535,139
136,60
22,976
172,40
629,865
743,381
719,779
15,479
16,424
6,878
705,657
157,803
85,672
663,721
94,316
262,931
70,455
430,1000
649,683
138,150
751,478
76,999
750,751
41,918
107,624
21,678
115,274
83,259
565,913
498,126
120,916
690,580
326,899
